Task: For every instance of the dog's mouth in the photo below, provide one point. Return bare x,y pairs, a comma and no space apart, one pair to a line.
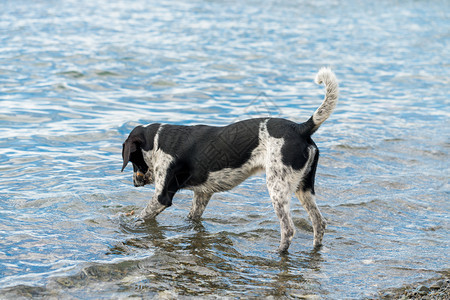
141,179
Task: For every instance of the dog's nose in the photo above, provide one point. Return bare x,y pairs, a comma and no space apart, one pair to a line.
138,183
139,179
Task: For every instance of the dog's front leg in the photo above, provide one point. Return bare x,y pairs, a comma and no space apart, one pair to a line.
166,185
152,209
160,200
198,205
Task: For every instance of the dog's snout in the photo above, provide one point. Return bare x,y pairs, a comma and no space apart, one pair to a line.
141,179
139,176
138,179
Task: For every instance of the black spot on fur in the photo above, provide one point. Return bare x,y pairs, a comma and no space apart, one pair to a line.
295,151
202,149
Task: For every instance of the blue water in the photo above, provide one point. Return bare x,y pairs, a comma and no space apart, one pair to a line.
77,76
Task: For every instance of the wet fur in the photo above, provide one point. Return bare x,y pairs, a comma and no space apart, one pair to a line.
209,159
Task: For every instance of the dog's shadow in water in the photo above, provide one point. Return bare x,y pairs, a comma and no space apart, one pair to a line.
192,238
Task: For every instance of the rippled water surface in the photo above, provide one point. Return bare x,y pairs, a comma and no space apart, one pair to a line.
77,76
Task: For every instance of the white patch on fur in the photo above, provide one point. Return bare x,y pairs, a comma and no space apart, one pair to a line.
158,162
228,178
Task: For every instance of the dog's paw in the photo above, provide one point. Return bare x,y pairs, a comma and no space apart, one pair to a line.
282,252
283,248
317,244
131,223
138,222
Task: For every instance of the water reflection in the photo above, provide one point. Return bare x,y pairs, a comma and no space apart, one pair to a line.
192,254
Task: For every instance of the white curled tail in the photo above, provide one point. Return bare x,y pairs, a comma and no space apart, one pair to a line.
327,77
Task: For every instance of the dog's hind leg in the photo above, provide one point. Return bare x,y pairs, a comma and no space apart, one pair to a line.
198,205
318,222
281,196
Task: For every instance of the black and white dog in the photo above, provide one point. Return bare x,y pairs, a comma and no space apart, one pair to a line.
209,159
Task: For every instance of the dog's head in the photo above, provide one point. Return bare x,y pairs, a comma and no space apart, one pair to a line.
132,150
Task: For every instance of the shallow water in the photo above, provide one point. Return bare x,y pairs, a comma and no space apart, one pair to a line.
77,76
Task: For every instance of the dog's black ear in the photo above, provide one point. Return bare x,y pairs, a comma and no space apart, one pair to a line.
128,147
